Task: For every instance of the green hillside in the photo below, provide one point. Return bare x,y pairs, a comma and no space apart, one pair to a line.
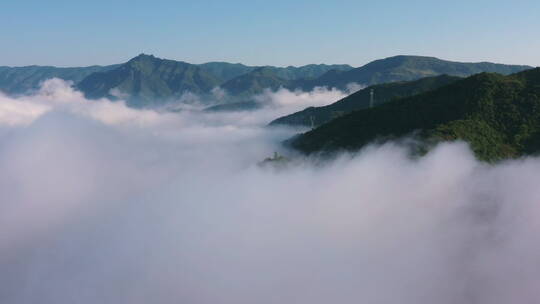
382,93
148,80
225,71
498,115
273,78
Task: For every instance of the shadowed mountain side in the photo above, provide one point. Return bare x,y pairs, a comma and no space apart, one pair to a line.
499,116
382,93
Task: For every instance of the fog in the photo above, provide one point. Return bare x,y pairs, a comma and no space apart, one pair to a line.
102,203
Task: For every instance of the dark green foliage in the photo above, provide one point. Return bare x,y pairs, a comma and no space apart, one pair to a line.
498,115
406,68
361,100
19,80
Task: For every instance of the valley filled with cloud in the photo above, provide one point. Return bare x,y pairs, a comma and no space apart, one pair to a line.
102,203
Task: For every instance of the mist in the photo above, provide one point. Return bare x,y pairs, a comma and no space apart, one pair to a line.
102,203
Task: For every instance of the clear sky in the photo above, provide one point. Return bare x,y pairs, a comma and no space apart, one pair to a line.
273,32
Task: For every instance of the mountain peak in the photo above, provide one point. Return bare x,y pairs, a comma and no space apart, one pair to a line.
399,60
143,57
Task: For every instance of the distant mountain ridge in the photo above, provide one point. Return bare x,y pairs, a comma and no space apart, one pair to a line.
146,81
226,71
254,82
407,68
392,69
20,80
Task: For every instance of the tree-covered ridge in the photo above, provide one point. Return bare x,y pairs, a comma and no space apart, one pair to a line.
310,71
407,68
392,69
146,79
499,116
225,71
269,77
382,93
254,82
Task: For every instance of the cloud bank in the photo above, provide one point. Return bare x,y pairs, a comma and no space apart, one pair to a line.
298,100
107,204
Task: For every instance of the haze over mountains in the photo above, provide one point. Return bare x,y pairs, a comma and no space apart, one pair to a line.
113,205
99,194
400,85
146,81
19,80
269,152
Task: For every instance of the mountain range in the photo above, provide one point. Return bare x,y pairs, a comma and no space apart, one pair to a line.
496,110
20,80
499,116
406,68
146,81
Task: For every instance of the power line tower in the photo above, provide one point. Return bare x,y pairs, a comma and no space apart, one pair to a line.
371,98
312,119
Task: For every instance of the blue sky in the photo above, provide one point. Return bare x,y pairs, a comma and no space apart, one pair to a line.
273,32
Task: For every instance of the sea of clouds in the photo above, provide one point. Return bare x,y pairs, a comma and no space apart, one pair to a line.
101,203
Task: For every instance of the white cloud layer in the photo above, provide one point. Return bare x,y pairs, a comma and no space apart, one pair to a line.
59,96
56,94
106,204
298,100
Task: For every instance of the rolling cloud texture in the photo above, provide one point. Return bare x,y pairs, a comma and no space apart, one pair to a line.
102,203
